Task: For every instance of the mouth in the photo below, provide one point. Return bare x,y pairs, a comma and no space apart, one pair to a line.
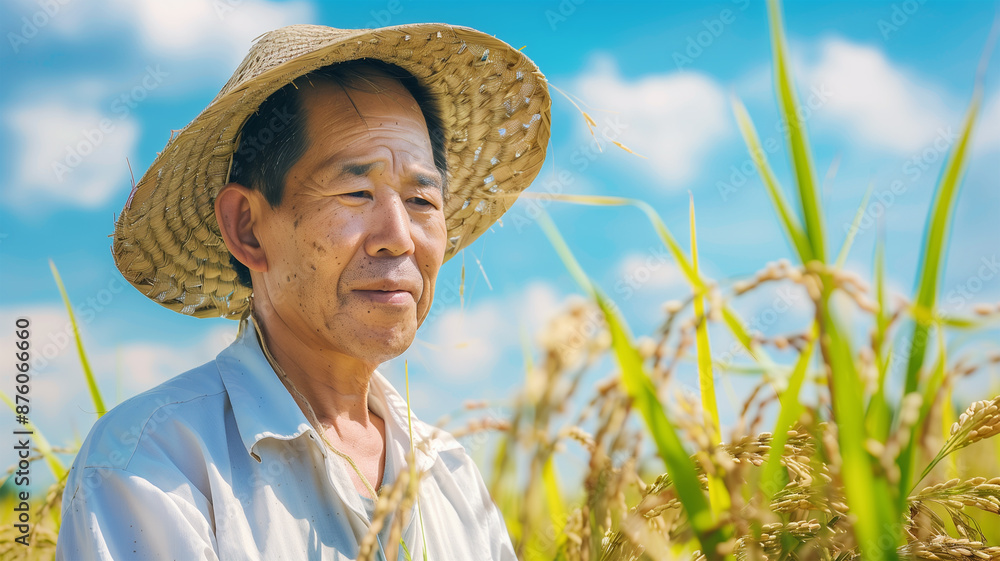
391,297
391,294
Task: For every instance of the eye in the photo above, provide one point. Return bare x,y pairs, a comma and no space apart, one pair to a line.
426,204
359,194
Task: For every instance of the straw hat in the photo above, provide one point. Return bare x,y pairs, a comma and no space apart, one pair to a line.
494,106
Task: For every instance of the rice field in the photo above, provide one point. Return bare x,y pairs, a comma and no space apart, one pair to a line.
860,469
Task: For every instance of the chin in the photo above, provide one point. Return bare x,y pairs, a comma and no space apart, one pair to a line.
389,345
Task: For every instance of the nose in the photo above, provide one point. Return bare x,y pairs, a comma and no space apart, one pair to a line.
390,229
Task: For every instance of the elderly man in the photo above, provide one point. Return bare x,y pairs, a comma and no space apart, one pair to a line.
314,199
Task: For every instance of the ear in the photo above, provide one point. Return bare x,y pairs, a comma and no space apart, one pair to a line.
238,210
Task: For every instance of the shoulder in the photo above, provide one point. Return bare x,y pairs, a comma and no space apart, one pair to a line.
162,439
457,479
447,458
166,413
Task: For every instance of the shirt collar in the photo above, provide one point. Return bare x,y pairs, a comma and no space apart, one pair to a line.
263,408
428,441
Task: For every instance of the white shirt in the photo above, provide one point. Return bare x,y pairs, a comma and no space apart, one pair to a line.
220,463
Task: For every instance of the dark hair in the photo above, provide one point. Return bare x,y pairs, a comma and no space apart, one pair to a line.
274,137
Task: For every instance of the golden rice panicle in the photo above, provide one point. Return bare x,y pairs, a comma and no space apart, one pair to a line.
981,420
575,336
977,492
946,548
772,535
388,503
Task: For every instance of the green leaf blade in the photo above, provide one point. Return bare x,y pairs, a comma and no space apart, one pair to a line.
732,320
934,245
792,227
95,392
931,263
640,389
805,174
718,496
791,410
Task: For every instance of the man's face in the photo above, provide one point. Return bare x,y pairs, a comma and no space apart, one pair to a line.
356,243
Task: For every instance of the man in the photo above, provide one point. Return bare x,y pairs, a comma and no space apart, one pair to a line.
315,199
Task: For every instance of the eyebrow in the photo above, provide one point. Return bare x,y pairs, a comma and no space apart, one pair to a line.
363,169
428,180
357,169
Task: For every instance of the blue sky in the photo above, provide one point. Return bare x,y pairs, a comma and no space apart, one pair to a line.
888,84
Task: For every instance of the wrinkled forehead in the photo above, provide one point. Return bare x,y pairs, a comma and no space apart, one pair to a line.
349,130
360,92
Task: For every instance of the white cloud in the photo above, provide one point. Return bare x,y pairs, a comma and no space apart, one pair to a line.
672,119
148,363
879,104
197,30
654,270
466,341
70,153
464,344
73,139
537,305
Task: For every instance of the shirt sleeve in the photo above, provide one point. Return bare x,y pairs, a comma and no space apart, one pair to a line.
116,515
503,548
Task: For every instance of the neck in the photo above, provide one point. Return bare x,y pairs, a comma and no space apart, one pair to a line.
336,385
337,406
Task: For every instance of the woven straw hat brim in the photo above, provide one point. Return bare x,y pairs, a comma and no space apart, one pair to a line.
495,110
